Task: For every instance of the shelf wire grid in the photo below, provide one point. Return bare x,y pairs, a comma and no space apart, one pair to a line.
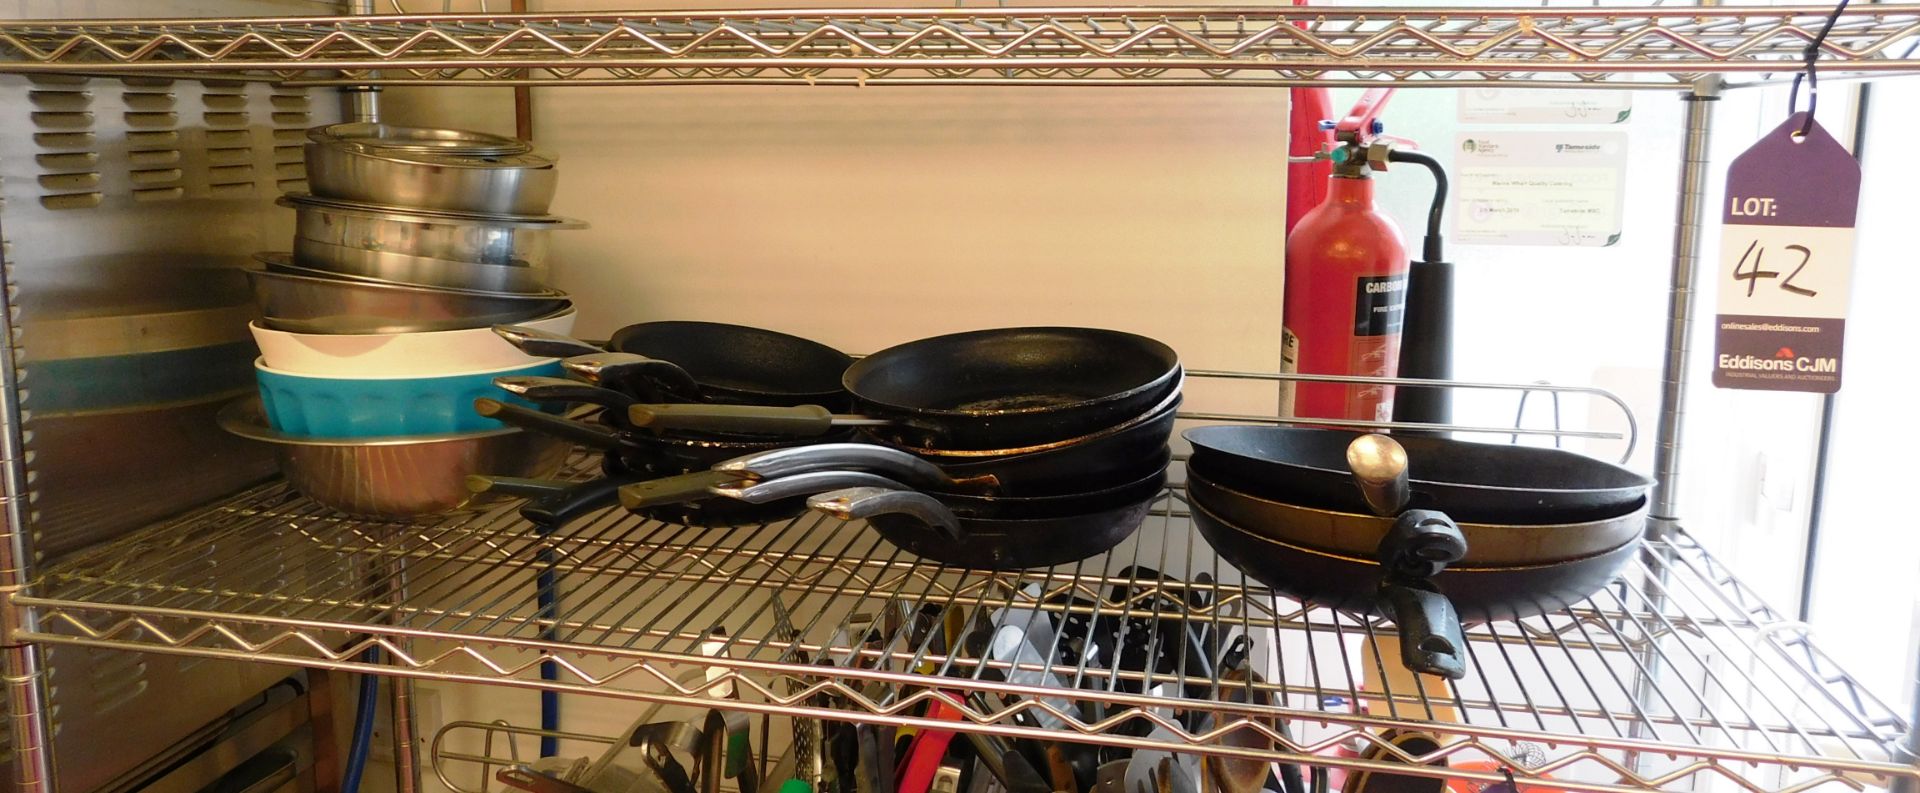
812,618
1575,46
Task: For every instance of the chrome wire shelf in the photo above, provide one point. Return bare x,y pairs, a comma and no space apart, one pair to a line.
1673,676
1575,46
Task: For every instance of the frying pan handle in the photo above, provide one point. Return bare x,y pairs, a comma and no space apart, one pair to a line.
621,370
893,463
1431,641
560,389
805,484
677,489
515,486
543,343
559,509
866,502
1421,543
567,429
803,421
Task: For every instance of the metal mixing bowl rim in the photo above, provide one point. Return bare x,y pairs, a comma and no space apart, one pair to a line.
535,161
482,141
284,260
242,417
298,201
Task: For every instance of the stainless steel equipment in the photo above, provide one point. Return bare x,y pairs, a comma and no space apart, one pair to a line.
397,477
518,277
488,239
297,299
516,184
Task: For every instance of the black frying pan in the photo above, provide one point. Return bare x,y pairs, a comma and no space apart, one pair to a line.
1360,535
701,361
1001,542
1009,387
1479,594
1475,482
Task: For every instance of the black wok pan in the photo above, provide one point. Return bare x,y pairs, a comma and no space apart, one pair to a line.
1010,387
995,543
1476,482
1360,535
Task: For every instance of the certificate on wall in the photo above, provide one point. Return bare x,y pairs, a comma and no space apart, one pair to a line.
1544,106
1539,188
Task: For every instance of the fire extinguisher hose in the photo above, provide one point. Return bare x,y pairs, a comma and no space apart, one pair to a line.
1431,248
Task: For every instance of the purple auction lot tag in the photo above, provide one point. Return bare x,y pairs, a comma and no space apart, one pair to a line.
1786,262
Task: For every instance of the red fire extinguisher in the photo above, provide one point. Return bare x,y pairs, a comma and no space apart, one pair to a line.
1346,282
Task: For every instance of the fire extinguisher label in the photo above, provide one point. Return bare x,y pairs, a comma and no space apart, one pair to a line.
1380,305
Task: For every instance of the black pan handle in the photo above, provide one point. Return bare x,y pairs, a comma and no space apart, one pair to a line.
590,435
801,421
543,343
560,389
1431,641
559,509
1421,543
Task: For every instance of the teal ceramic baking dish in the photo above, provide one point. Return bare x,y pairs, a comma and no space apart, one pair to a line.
342,407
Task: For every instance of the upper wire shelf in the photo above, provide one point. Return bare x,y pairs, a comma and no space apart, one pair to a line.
1593,47
1677,675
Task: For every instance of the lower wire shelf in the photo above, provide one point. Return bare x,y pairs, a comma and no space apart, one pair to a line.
1674,676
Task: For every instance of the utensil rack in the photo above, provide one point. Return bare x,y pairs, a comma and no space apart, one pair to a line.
1733,689
1574,46
1674,676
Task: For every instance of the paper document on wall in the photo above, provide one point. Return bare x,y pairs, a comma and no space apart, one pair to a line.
1544,106
1539,188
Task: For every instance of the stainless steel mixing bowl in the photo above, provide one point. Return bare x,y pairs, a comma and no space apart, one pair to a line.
518,278
397,477
458,236
417,139
513,184
301,300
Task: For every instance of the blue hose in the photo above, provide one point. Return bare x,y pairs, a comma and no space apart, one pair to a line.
362,726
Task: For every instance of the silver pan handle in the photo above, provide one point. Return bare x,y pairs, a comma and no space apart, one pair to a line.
858,503
893,463
543,343
805,484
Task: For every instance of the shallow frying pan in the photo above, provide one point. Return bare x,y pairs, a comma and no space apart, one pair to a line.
1479,594
1360,535
1009,387
700,361
904,519
1475,482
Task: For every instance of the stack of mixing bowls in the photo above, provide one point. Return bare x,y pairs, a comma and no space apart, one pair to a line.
374,331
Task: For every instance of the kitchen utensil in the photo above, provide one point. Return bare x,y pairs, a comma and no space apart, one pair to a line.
522,777
1360,535
1411,742
797,421
396,477
741,365
381,354
1477,593
543,342
400,268
520,183
1473,482
1379,468
416,139
303,301
360,407
592,436
554,390
1095,462
1011,387
919,524
457,236
962,505
713,752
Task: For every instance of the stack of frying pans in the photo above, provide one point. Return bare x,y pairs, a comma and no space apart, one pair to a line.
1430,532
1003,448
